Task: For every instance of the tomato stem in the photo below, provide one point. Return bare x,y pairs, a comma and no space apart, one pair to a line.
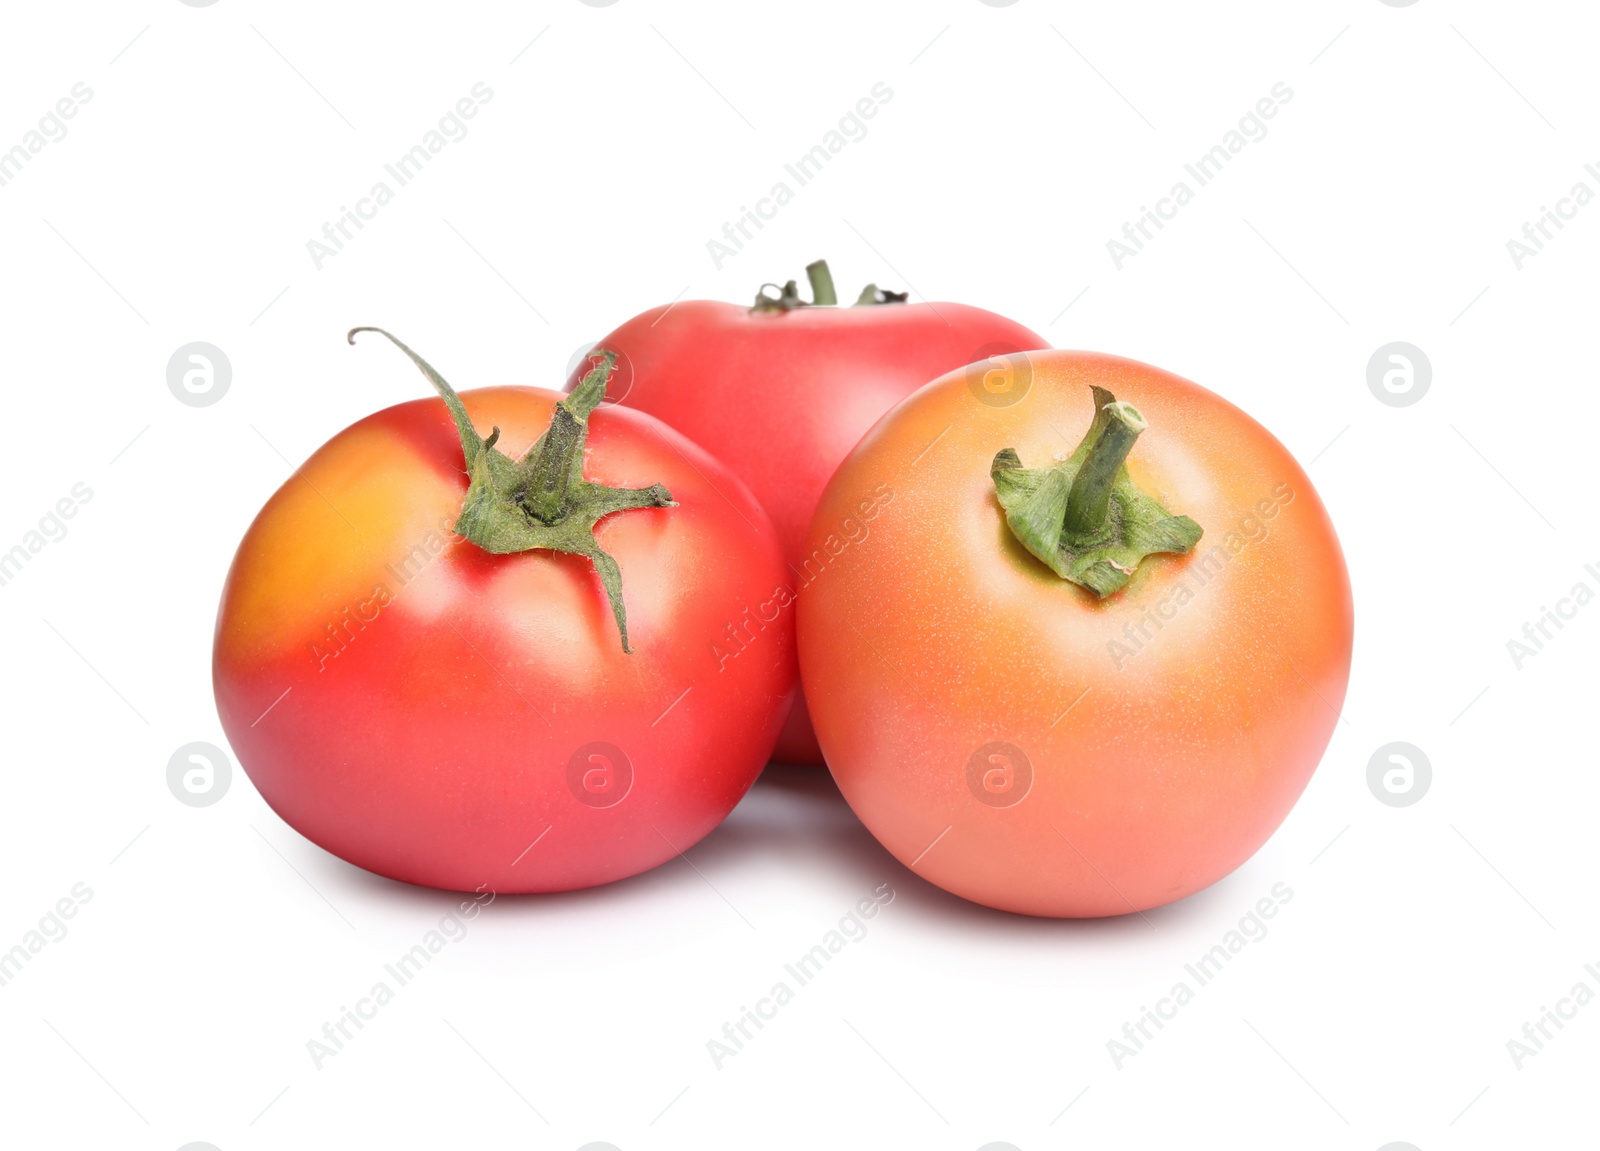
872,294
1084,517
823,293
1089,502
542,500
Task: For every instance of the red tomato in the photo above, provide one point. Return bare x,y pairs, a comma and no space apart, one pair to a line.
781,392
465,720
1056,749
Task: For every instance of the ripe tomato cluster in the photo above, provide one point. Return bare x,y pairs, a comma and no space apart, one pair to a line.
1073,632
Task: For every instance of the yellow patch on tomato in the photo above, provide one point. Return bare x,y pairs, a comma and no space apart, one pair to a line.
334,545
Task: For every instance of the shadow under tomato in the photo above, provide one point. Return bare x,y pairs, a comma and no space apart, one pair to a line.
799,815
793,823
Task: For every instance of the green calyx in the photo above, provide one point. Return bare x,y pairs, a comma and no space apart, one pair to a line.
823,293
541,500
1083,517
872,294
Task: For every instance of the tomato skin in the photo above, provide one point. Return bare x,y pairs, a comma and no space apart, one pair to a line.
416,705
782,397
1167,733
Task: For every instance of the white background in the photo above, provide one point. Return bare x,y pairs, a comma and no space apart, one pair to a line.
619,139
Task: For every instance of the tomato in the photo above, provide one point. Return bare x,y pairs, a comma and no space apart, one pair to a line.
466,714
1110,727
782,391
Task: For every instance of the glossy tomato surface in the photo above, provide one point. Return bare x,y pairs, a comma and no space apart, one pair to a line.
782,396
1023,744
462,720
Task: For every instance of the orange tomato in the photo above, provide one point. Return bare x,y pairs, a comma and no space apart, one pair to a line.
1014,738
